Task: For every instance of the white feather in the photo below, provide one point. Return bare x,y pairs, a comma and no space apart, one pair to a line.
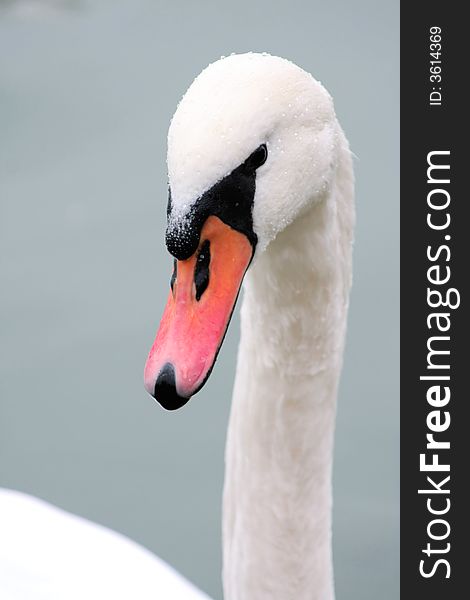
49,554
233,106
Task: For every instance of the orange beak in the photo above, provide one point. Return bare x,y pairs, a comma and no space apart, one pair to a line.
204,291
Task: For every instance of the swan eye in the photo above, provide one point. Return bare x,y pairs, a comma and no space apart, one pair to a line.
201,272
258,157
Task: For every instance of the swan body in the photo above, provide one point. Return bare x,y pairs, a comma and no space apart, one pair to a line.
261,191
49,554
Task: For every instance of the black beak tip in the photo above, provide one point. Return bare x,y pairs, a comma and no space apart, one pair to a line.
165,389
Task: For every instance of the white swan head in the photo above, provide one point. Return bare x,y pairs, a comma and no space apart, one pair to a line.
251,146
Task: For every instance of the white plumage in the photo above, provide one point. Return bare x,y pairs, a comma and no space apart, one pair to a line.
49,554
277,496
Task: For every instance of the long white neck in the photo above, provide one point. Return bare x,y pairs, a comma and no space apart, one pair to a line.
277,496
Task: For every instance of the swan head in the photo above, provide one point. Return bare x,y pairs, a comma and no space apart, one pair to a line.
251,146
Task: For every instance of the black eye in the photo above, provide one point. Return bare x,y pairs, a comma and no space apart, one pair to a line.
168,206
258,157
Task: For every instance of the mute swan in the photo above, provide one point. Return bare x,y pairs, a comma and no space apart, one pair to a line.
261,184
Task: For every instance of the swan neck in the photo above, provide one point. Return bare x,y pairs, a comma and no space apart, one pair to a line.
277,496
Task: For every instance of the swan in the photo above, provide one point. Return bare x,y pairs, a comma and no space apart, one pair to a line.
261,194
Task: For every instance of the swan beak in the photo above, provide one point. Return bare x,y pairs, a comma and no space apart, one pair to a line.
203,293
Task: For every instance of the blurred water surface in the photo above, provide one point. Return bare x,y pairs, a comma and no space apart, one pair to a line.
86,93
